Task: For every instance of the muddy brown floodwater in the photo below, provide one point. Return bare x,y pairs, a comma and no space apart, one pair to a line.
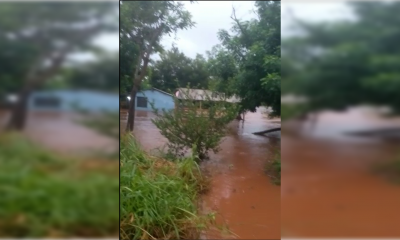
328,190
246,203
60,132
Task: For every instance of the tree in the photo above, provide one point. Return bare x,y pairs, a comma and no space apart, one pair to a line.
175,69
101,75
223,69
145,23
255,47
49,32
347,63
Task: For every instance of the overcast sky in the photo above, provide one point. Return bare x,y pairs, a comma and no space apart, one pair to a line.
210,16
315,11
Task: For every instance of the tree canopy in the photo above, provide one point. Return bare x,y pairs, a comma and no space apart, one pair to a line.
250,54
175,69
347,62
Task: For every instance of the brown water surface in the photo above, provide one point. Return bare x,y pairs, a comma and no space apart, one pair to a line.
62,133
328,190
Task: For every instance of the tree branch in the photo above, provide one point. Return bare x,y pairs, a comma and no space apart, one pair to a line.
267,131
244,33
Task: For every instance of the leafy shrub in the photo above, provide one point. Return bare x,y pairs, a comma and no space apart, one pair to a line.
192,127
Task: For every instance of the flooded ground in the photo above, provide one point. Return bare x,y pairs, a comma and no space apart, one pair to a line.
60,132
327,186
246,202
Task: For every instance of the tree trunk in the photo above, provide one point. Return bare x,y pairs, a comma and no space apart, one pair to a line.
267,131
19,111
131,110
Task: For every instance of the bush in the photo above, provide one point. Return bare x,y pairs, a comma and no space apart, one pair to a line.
158,197
42,195
191,127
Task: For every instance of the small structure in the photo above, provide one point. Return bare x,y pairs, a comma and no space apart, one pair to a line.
72,100
202,97
160,99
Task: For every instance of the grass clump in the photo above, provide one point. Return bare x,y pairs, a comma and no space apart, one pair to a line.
389,170
158,197
273,169
43,195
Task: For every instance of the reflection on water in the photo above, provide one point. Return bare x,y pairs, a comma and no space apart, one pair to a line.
241,194
327,187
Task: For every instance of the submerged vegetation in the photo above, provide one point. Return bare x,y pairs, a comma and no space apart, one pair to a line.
44,195
158,198
273,169
389,170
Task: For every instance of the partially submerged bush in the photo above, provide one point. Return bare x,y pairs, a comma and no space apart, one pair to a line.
158,197
43,195
196,125
273,169
389,170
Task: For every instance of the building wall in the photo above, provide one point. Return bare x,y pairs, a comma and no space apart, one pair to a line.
88,100
160,100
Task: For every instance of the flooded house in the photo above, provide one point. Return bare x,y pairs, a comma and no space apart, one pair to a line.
160,99
73,100
201,96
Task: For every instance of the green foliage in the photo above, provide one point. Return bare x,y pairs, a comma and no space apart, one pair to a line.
52,31
193,126
142,25
158,197
175,69
101,75
44,195
251,56
222,68
290,111
347,63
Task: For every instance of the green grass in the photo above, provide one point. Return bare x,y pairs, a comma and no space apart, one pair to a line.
389,170
158,197
273,169
44,195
